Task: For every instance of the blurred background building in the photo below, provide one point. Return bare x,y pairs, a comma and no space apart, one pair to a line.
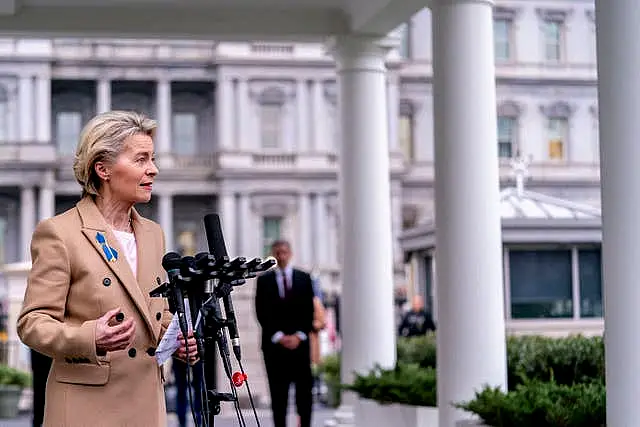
249,130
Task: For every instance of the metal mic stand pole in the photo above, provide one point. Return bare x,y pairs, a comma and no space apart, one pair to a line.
214,325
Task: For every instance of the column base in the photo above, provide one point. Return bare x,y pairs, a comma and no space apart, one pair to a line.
343,417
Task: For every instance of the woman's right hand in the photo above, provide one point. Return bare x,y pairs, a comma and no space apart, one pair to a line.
112,335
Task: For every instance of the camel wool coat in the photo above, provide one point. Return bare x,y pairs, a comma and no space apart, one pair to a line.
71,284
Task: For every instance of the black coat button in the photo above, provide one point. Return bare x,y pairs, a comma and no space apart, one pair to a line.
132,352
151,351
120,317
106,281
158,316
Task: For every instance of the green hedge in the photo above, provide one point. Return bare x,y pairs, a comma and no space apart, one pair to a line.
405,384
12,376
541,404
553,382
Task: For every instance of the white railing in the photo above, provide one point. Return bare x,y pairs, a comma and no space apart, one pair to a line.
139,50
275,160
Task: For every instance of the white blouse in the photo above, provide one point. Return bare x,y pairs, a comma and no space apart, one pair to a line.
128,244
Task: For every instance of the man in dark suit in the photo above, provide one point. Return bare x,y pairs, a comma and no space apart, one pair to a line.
284,308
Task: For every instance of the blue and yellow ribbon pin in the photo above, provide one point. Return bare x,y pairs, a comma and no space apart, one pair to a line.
110,253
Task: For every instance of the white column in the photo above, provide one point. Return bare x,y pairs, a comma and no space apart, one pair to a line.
163,103
321,230
304,230
27,116
302,119
245,228
165,218
471,335
47,196
224,112
320,142
393,95
103,95
396,208
228,214
43,107
366,242
618,93
241,119
27,220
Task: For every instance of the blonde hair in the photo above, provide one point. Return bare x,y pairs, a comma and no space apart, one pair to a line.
102,140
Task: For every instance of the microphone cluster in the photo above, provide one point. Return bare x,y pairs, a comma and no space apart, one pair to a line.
202,280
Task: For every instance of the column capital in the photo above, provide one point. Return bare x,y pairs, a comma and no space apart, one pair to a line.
361,51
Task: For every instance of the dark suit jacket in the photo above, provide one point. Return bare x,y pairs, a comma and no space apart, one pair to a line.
276,314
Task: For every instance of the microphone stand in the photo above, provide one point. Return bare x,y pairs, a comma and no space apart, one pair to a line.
210,330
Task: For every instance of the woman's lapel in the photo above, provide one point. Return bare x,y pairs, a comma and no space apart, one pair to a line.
95,229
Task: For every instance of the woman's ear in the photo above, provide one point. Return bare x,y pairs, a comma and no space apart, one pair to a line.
102,170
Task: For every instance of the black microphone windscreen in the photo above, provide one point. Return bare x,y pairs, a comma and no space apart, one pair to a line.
215,239
171,261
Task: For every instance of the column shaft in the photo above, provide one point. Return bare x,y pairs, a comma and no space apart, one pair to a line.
471,326
618,24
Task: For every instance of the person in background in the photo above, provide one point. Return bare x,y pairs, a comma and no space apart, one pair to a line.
87,303
416,322
285,311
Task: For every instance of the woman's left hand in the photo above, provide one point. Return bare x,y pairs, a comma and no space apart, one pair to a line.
189,346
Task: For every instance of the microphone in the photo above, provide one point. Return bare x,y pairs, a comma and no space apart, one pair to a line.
218,249
172,262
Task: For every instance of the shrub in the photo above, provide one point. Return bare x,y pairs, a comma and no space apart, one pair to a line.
541,404
407,384
570,360
418,350
12,376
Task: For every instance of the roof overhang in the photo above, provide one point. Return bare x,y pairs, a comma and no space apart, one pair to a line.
223,20
517,231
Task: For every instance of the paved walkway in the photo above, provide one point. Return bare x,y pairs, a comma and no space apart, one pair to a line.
227,419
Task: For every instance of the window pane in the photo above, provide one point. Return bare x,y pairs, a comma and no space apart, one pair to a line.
501,37
270,232
270,125
552,35
68,127
540,284
506,136
557,134
590,263
405,127
184,128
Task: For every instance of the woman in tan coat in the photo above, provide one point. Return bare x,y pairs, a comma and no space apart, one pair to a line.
87,301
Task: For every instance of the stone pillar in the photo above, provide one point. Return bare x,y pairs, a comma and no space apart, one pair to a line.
47,196
304,230
618,94
321,230
164,114
43,109
103,95
224,113
228,215
26,108
165,218
27,220
302,122
471,325
393,96
367,259
244,125
320,142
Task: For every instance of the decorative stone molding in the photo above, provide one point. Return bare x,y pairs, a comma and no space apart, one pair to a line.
272,91
554,15
506,13
591,14
331,92
407,108
509,109
559,109
279,205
